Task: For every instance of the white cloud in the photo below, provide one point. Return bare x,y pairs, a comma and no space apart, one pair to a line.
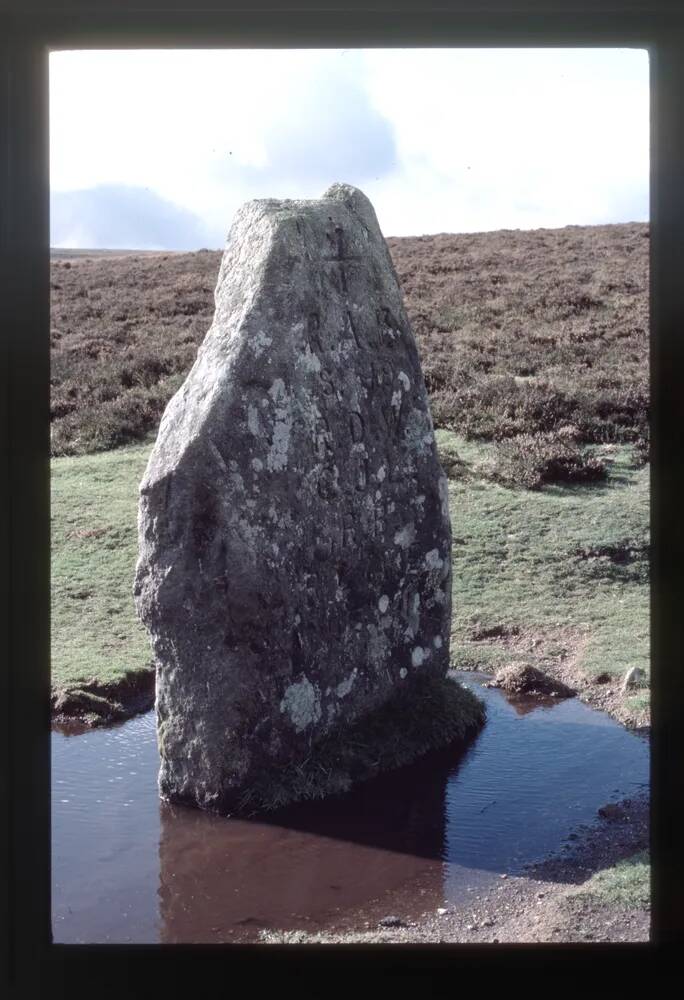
440,140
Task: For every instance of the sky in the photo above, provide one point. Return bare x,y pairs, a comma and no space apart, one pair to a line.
158,149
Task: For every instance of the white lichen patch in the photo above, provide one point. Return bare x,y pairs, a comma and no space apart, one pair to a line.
248,532
237,482
277,454
377,648
383,604
344,687
418,432
302,704
403,672
253,422
309,360
437,642
433,559
419,655
405,380
405,536
395,402
260,342
381,473
257,464
413,616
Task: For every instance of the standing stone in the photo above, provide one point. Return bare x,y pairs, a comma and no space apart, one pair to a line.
294,539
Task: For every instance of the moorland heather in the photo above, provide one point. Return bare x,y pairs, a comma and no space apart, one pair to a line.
520,332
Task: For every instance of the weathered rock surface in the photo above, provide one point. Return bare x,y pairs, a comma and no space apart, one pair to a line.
294,563
522,679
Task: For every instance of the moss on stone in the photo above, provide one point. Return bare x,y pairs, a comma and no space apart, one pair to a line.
430,715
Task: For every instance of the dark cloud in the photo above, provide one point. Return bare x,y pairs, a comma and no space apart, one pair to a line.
329,131
116,216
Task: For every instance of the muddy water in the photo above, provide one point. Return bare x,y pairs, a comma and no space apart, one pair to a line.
129,868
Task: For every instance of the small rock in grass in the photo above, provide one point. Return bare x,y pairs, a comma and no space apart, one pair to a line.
520,678
391,921
441,911
635,677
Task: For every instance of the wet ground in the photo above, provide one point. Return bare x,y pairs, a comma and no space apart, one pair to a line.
129,868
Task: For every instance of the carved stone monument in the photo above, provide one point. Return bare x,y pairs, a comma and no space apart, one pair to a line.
294,569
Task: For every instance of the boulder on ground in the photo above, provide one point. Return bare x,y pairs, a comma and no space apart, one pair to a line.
294,566
523,679
634,678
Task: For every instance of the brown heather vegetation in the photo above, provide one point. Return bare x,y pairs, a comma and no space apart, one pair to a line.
541,333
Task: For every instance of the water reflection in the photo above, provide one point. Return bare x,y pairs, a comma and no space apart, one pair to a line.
307,866
129,868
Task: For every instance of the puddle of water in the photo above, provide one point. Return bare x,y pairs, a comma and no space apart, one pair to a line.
129,868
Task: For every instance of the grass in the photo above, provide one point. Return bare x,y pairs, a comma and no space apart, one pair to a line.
627,883
529,564
95,631
567,563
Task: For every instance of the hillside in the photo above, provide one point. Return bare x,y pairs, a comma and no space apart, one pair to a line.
519,331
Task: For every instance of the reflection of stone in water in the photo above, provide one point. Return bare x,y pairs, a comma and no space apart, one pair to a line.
524,704
308,866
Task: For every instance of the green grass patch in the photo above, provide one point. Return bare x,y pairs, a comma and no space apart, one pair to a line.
565,558
568,557
95,632
628,883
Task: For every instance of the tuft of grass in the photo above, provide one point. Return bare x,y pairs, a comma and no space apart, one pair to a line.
627,883
534,460
431,714
639,703
448,454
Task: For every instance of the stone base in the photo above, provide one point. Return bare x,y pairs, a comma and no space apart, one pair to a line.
430,715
